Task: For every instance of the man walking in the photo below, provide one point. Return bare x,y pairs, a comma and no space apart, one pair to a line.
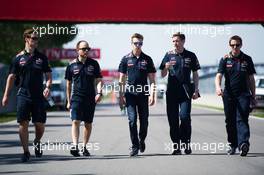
27,69
83,73
238,70
180,92
135,69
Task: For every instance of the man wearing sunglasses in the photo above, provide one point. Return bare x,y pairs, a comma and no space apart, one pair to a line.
83,72
180,63
135,69
27,71
238,70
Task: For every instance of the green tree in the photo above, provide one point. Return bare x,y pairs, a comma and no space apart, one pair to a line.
11,38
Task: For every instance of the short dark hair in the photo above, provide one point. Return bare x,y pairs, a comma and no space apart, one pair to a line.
179,34
27,33
79,42
237,38
137,35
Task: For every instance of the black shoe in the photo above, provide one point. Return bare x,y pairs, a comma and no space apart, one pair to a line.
176,152
85,152
25,157
188,151
244,148
75,151
142,146
134,152
38,149
231,151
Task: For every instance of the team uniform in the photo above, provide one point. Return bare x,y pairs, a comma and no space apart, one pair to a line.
236,97
137,70
83,94
179,93
29,70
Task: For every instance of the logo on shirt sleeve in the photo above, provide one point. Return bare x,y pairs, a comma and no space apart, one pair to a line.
244,66
143,64
39,61
22,61
130,63
229,64
173,61
76,70
187,62
90,68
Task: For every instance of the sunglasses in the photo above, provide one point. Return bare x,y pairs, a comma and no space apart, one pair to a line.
33,38
85,49
138,43
233,45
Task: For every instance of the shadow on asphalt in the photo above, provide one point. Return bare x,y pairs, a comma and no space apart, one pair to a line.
15,158
16,172
13,132
224,154
15,126
9,143
16,143
7,159
31,172
151,115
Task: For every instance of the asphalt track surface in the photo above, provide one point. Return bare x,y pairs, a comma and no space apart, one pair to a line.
109,146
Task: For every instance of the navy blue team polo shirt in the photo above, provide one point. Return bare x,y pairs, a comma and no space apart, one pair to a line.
83,76
29,69
183,64
137,69
236,71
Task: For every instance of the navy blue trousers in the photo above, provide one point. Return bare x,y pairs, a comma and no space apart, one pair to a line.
179,118
237,114
137,105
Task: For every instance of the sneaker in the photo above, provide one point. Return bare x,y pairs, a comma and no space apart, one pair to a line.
176,152
75,151
142,146
85,152
231,151
38,148
244,148
25,157
134,152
